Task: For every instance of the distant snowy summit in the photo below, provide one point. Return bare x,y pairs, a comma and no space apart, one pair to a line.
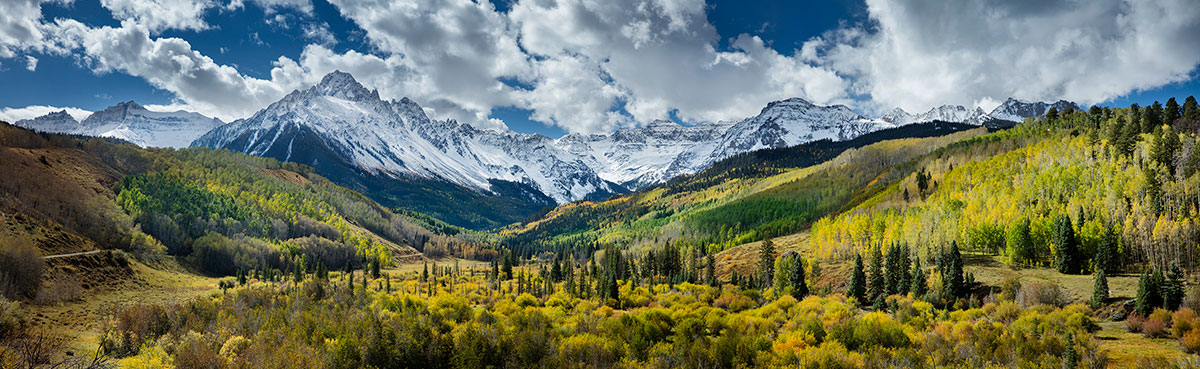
1012,110
131,122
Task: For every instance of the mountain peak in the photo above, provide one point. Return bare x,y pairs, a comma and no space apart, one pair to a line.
127,105
343,85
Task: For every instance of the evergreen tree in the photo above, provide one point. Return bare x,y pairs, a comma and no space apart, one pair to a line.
953,280
1116,133
875,287
1019,243
1066,257
1099,289
1149,293
1172,287
1171,111
1106,250
1191,111
892,273
858,281
425,272
1151,117
556,272
1070,358
375,272
799,286
919,284
1131,133
766,261
711,265
506,266
905,275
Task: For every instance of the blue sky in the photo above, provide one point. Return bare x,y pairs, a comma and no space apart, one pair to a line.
733,57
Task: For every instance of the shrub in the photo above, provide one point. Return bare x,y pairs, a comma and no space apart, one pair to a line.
1134,322
1154,327
12,318
1191,341
1182,321
21,268
1041,293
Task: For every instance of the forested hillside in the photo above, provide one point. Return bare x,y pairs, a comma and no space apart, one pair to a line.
217,212
1117,189
742,198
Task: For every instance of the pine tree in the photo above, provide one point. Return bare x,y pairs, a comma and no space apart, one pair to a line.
1151,117
1066,257
875,287
799,286
1172,287
953,280
858,281
1149,293
1070,358
892,273
1131,133
506,266
711,265
766,261
425,272
1099,289
1171,111
919,284
1106,250
1191,111
375,272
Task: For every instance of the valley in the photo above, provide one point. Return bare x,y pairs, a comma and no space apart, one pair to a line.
1076,225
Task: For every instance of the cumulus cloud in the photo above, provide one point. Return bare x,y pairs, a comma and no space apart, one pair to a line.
12,115
596,65
172,65
979,52
31,63
159,15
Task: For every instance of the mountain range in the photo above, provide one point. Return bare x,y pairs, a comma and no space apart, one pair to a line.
391,150
130,122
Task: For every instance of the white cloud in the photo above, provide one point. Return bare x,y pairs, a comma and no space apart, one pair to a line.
319,33
12,115
159,15
20,26
662,57
978,52
172,65
31,63
456,51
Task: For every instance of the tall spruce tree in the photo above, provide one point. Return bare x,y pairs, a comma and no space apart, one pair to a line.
1191,111
799,285
1149,294
766,261
1171,111
953,280
875,286
1172,287
1066,256
1099,289
711,265
920,286
1106,250
858,281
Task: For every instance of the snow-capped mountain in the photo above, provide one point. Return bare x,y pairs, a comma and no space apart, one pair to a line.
945,113
340,124
340,120
131,122
636,157
59,122
1016,110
